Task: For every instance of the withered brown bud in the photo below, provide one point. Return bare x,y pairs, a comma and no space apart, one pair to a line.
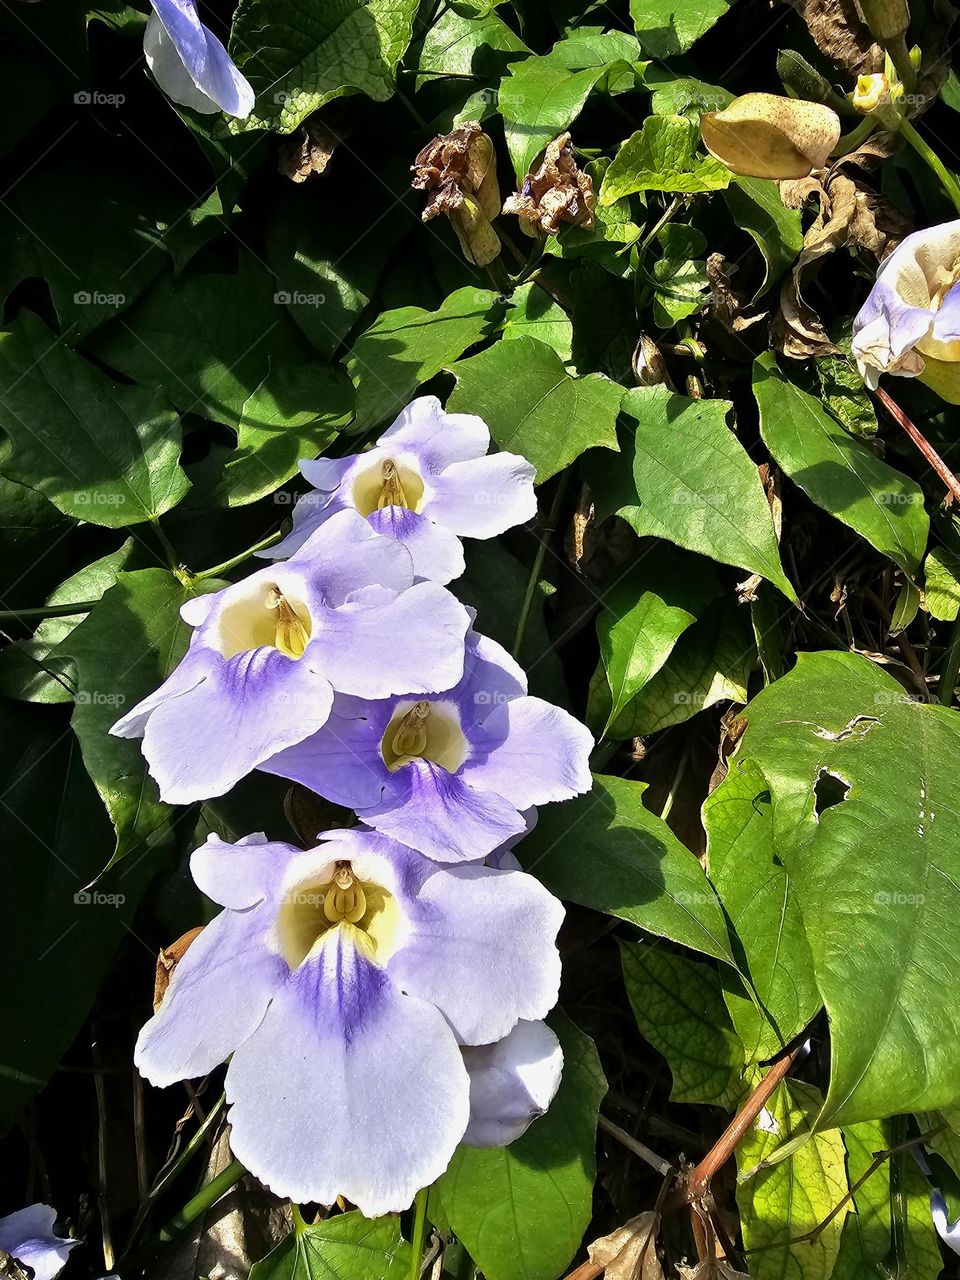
167,961
649,366
459,172
554,191
306,152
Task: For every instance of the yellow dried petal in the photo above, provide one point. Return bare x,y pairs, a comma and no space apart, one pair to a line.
761,135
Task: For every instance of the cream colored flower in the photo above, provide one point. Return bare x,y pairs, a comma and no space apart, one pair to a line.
761,135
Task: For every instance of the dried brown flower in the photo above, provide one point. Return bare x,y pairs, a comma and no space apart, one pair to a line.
554,191
306,152
459,172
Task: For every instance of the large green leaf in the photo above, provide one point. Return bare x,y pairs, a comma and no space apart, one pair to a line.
543,96
534,407
347,1247
838,472
663,156
862,778
299,54
606,851
941,587
125,647
679,1008
100,452
666,30
757,896
794,1195
534,314
756,206
521,1210
459,44
409,346
692,483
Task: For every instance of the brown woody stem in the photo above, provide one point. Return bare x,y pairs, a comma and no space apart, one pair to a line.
922,443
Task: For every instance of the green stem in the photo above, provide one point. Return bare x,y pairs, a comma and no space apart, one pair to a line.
173,560
500,277
219,570
896,47
50,610
850,141
203,1200
602,753
419,1232
930,157
951,666
534,579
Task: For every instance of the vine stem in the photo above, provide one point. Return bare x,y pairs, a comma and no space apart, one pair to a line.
204,1199
933,161
51,610
537,565
419,1232
219,570
922,443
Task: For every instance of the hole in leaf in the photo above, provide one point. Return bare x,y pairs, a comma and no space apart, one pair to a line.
828,790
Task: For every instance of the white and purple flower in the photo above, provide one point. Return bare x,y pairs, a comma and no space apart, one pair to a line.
269,652
910,323
427,482
948,1233
448,774
29,1238
190,64
348,985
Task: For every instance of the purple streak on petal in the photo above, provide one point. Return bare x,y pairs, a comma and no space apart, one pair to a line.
443,817
438,438
482,949
484,497
29,1236
216,999
239,875
347,1088
342,761
413,644
531,752
512,1082
345,555
437,553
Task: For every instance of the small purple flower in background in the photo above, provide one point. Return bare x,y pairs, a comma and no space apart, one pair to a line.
512,1082
448,774
268,653
343,984
427,482
190,64
29,1238
910,323
950,1235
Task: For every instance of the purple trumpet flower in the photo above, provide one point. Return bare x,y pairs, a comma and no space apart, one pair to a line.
269,652
949,1234
29,1238
350,986
190,64
428,481
448,774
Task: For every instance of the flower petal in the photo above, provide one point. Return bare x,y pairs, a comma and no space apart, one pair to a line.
312,511
347,1088
342,761
439,438
531,752
29,1236
483,497
482,949
190,64
345,555
239,875
950,1235
512,1082
443,817
217,997
437,553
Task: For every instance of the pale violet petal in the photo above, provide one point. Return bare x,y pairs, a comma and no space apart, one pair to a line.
512,1083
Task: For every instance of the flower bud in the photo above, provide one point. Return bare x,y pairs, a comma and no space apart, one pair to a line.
761,135
887,19
649,366
459,170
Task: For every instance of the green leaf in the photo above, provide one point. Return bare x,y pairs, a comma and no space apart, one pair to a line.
679,277
543,96
710,663
837,472
755,205
31,670
58,942
606,851
122,651
347,1247
534,407
793,1196
534,314
862,779
844,393
941,589
459,45
663,156
300,54
665,31
642,618
693,483
522,1210
409,346
757,895
679,1008
99,452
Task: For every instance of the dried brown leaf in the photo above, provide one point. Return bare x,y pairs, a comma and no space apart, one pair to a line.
840,33
630,1252
554,191
306,152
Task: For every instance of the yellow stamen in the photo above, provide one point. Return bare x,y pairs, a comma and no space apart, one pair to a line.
411,737
344,899
291,635
391,489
